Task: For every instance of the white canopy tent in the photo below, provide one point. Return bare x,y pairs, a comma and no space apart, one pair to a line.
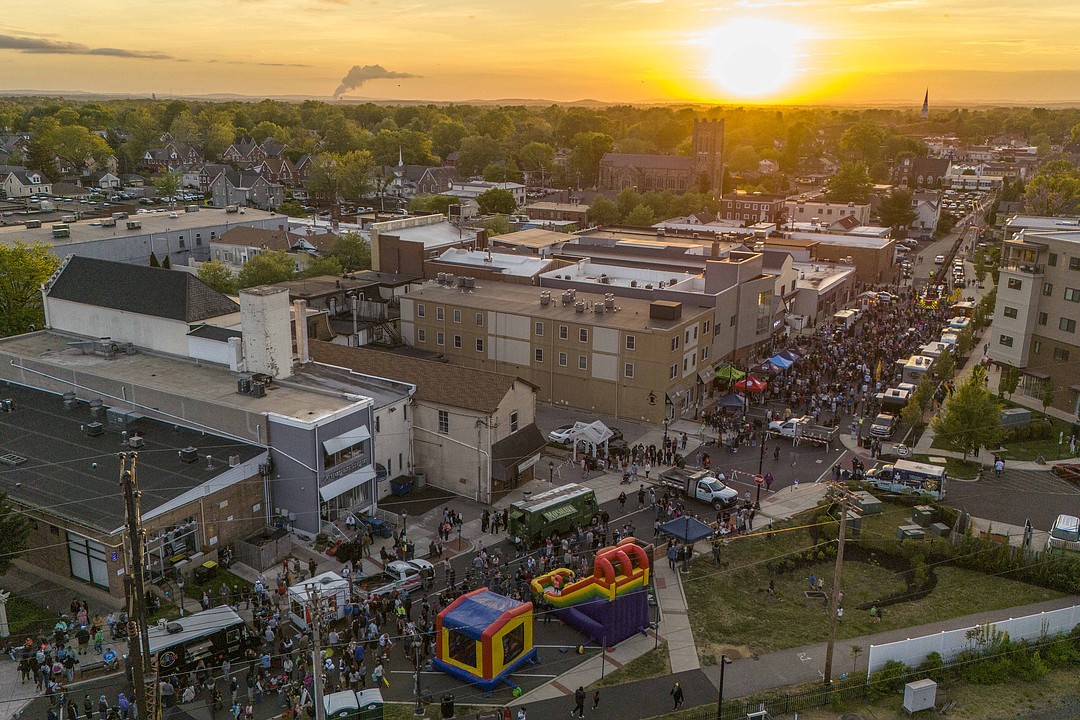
593,434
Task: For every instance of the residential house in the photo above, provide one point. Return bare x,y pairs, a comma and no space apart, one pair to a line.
752,208
102,181
807,209
235,247
245,188
278,169
927,207
471,189
23,183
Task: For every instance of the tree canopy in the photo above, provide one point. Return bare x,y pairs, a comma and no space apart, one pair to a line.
851,183
266,268
971,417
496,201
896,211
14,529
217,276
23,268
352,252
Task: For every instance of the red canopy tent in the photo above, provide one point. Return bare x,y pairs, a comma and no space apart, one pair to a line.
750,384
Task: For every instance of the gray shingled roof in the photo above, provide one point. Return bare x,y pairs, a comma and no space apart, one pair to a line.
171,294
644,160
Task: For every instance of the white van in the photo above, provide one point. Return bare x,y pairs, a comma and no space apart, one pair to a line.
1065,533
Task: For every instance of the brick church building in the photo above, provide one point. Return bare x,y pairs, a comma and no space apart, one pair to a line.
677,173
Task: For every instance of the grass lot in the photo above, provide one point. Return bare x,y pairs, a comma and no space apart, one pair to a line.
654,663
955,467
26,618
213,586
1009,700
1031,449
753,622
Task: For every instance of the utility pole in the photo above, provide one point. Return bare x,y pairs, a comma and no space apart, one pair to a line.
143,669
845,501
315,611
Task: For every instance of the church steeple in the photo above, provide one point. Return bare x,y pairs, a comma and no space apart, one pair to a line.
926,104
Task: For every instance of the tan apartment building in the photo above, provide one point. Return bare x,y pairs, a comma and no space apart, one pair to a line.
620,356
1037,313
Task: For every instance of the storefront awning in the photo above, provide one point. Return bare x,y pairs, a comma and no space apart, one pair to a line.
1037,374
706,376
346,440
347,483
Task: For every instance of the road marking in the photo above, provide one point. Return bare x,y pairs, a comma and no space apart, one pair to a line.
804,657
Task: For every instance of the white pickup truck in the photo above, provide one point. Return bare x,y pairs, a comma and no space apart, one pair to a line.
700,485
803,429
401,575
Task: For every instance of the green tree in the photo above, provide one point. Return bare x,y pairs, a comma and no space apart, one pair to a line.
167,186
536,156
1046,394
980,265
851,183
446,137
496,225
1054,191
432,204
496,123
641,216
292,208
971,417
496,201
501,173
743,159
1008,380
586,150
23,268
603,211
354,172
266,268
154,262
14,530
166,263
476,153
896,212
352,251
945,366
218,276
865,141
319,266
918,403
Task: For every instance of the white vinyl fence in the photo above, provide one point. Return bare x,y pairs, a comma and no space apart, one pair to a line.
950,643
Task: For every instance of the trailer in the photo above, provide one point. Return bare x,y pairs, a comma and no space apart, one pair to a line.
802,429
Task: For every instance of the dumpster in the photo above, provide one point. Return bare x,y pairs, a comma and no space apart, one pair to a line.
401,486
379,528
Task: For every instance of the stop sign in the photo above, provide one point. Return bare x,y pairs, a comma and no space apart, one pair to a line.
759,479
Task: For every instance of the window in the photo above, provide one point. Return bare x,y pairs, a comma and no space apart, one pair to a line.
1061,355
1015,284
479,345
538,355
1074,263
198,239
457,316
628,370
582,362
479,319
563,333
764,298
440,339
378,425
444,421
695,332
457,341
421,311
1067,324
421,335
1042,318
439,314
539,329
87,559
513,422
1048,289
1005,340
685,364
734,319
583,335
675,343
631,342
1036,346
562,359
1072,294
1052,260
705,327
673,372
1010,312
704,353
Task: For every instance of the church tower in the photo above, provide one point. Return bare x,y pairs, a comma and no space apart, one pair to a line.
926,105
707,153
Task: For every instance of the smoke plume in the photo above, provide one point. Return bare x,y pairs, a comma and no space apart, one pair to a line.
360,74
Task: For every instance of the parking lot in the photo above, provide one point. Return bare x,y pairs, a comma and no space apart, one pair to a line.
1016,496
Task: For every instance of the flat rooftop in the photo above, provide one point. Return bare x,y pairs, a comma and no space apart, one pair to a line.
156,222
1039,222
821,276
560,206
532,238
56,459
195,393
626,276
504,263
430,234
628,314
857,241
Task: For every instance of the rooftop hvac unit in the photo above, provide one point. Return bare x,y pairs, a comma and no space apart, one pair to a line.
189,455
258,389
648,286
579,306
134,224
567,298
70,401
660,284
95,429
609,301
470,282
545,299
598,308
243,386
7,404
234,460
461,281
97,408
136,442
633,283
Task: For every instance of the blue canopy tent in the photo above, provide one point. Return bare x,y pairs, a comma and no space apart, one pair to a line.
732,401
789,355
687,529
781,362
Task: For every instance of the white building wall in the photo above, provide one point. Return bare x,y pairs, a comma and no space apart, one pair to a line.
517,352
393,440
152,333
605,367
605,340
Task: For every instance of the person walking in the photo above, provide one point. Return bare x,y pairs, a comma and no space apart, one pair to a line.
579,702
622,501
677,695
596,696
671,557
641,498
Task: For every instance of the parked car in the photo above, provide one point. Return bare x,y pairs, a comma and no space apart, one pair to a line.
401,575
561,434
883,425
939,259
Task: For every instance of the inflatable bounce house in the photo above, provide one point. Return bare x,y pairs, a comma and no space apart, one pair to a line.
608,606
482,637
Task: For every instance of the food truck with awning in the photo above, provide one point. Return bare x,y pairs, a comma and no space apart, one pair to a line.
553,511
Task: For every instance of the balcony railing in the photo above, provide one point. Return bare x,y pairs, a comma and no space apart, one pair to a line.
1024,267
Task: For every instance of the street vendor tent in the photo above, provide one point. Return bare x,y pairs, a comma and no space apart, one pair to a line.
729,372
781,362
731,401
687,529
751,384
595,436
789,355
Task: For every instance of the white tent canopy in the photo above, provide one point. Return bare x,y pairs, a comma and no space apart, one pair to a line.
593,434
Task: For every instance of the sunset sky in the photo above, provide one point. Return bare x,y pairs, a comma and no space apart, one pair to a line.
1019,51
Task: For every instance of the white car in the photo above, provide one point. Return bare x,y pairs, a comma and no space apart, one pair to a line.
939,260
401,575
560,434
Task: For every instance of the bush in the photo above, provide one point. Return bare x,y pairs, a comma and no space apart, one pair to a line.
890,679
1040,428
934,668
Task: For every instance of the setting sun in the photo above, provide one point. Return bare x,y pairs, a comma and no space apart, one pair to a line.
754,57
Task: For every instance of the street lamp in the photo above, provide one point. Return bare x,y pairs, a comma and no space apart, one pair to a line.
724,660
551,472
180,592
667,421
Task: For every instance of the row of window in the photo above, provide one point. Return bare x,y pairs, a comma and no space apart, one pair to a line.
440,314
1060,354
440,339
1074,262
444,423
